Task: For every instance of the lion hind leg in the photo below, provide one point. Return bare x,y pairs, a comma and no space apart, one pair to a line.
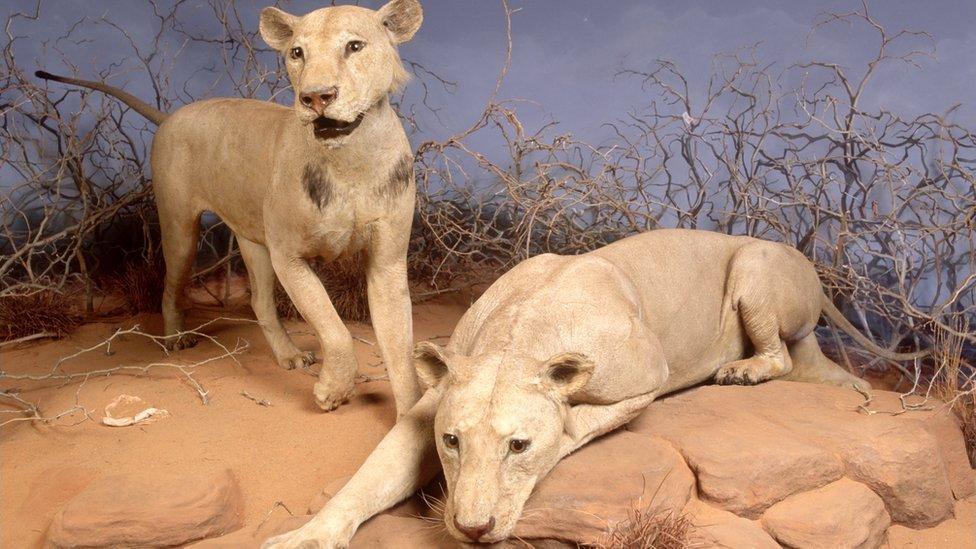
811,366
180,234
262,280
760,306
770,358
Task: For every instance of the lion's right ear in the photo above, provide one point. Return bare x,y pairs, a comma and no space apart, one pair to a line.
402,19
277,27
430,360
567,373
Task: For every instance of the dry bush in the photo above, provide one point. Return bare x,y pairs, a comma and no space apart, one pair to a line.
79,160
648,529
40,312
139,283
345,281
80,198
882,202
955,383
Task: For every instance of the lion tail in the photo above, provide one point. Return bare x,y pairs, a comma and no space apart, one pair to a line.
838,319
151,113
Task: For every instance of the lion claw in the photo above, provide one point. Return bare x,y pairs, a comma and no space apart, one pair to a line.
330,398
302,359
178,342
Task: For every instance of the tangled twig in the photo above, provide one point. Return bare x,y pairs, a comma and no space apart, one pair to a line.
31,411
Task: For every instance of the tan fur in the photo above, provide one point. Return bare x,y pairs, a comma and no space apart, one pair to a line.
290,193
564,349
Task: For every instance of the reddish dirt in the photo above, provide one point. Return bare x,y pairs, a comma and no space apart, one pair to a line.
286,452
958,532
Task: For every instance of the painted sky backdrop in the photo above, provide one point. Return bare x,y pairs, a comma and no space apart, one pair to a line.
566,52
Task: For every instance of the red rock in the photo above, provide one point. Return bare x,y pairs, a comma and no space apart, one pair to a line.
753,446
600,484
905,468
842,514
576,503
714,527
782,451
126,511
743,463
944,426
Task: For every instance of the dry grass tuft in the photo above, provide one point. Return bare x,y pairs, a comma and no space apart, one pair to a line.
648,529
955,382
344,280
139,284
40,312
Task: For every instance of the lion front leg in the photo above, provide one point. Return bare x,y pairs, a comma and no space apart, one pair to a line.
337,378
262,280
403,462
390,312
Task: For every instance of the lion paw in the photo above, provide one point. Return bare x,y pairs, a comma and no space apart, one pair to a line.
301,359
294,540
312,537
180,341
329,395
746,372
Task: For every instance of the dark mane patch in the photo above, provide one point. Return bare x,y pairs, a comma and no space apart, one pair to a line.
317,185
399,178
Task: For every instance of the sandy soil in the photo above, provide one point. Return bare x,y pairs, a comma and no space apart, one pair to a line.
955,533
286,452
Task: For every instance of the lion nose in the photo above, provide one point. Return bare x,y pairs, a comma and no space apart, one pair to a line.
475,533
318,100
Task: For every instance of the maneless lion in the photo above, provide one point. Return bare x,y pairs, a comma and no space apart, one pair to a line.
331,176
562,349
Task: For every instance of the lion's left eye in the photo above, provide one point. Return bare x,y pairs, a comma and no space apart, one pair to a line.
517,445
451,441
354,46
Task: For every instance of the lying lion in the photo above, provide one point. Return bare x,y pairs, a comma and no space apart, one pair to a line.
563,349
331,176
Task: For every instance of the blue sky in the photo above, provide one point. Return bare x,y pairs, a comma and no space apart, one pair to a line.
566,52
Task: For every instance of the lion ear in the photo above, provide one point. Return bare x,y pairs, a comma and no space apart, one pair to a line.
567,373
402,19
277,27
430,360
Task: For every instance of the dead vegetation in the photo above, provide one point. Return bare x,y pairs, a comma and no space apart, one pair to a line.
26,411
954,383
41,313
139,283
344,280
647,528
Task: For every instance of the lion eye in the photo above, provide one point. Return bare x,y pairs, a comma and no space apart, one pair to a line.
517,445
354,46
296,53
451,441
